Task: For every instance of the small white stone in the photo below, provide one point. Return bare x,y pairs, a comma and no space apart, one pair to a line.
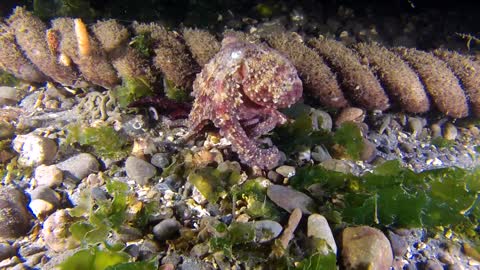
34,150
40,207
49,176
317,227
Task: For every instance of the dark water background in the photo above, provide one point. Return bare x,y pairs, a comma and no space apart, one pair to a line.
434,21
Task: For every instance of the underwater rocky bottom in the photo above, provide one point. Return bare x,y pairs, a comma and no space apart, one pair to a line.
89,182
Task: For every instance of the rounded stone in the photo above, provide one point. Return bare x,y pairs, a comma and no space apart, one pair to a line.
139,170
433,265
366,248
160,160
321,120
286,171
369,151
398,243
266,230
320,153
416,125
289,199
44,200
49,176
79,166
450,132
6,251
8,95
14,217
317,227
34,150
167,229
56,233
6,130
350,114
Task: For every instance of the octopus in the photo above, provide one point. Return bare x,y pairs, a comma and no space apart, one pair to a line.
240,90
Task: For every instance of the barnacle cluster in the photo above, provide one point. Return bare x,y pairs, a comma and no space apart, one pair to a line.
366,75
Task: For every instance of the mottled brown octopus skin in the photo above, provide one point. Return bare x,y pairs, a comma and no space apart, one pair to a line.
240,90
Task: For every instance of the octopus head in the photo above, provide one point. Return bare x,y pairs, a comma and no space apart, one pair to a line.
271,80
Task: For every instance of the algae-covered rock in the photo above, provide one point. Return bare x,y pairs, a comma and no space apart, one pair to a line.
56,233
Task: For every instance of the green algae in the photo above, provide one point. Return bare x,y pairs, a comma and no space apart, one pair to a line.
258,204
319,261
175,93
143,44
345,142
441,142
103,216
213,183
132,89
391,195
103,141
7,79
99,218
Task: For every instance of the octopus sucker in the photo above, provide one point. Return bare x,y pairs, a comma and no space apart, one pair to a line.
240,90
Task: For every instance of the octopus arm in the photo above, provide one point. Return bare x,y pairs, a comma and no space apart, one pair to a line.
270,118
248,150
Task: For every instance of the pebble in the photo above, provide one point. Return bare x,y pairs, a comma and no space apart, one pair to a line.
31,249
274,176
416,125
8,95
139,170
350,114
445,258
266,230
450,132
44,200
148,249
399,244
199,250
79,166
6,251
14,217
320,153
436,130
336,165
321,120
133,250
160,160
127,233
406,147
48,175
471,252
6,130
56,232
432,265
369,151
289,199
167,229
34,150
364,246
317,227
292,224
286,171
